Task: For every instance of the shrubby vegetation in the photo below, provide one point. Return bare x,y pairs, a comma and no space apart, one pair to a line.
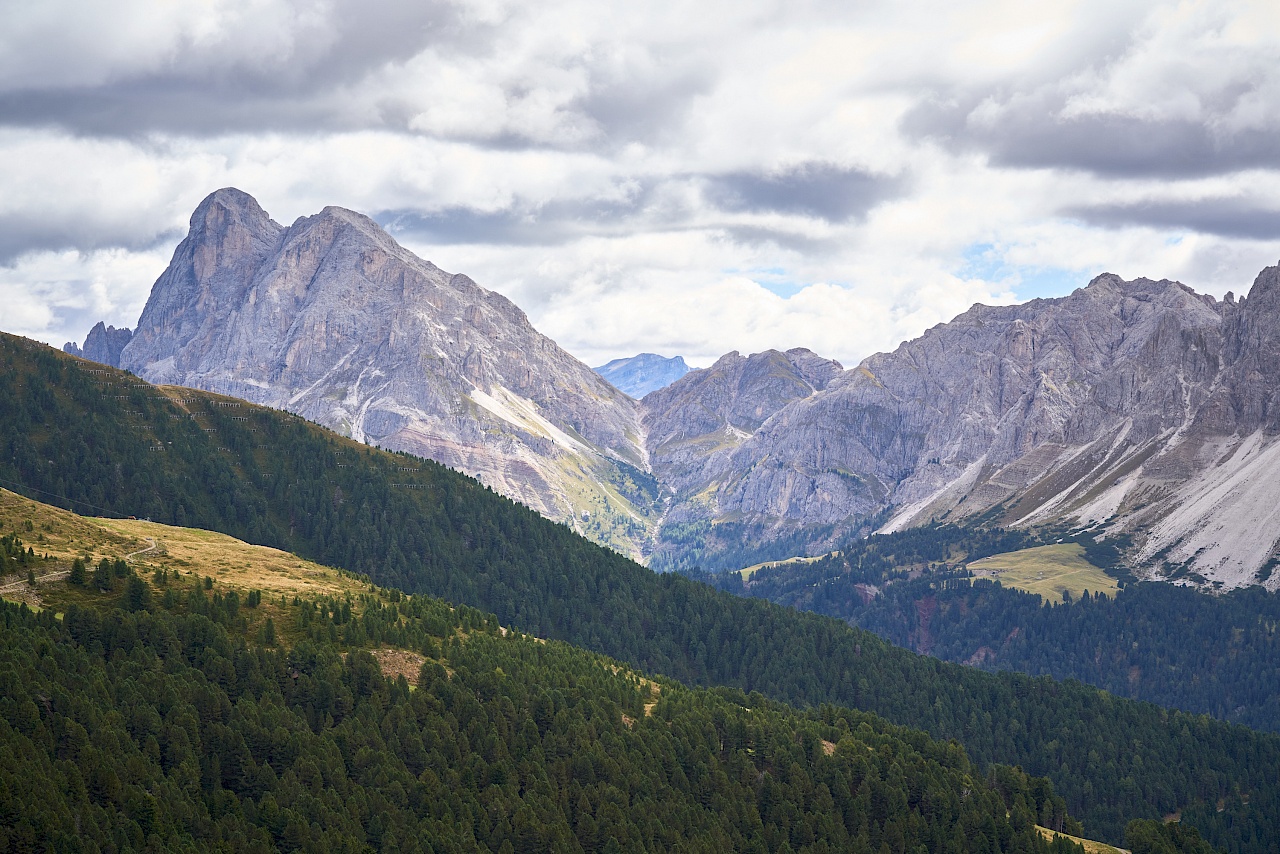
272,478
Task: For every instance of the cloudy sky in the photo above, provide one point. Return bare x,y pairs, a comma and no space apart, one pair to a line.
682,178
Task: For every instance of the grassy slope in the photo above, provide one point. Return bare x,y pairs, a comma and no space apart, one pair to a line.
1089,845
783,564
1047,571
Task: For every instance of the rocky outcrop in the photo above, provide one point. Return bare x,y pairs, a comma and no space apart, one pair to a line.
1139,406
332,319
642,374
102,345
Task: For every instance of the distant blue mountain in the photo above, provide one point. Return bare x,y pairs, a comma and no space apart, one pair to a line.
639,375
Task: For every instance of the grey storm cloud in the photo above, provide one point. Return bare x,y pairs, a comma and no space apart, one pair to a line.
202,92
822,190
645,107
555,223
1223,217
20,235
1031,132
329,83
163,104
458,224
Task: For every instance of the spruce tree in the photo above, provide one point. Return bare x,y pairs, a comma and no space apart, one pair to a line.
102,575
137,595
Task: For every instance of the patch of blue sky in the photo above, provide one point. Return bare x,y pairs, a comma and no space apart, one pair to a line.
987,262
776,280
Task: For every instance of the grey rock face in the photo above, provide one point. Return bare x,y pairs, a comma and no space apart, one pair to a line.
645,373
1137,406
103,345
695,425
332,319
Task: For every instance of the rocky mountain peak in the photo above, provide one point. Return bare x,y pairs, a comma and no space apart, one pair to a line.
1265,292
1104,283
229,215
334,320
695,425
737,393
643,374
816,370
103,344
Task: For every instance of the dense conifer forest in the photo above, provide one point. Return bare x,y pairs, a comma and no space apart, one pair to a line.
162,723
1170,645
98,441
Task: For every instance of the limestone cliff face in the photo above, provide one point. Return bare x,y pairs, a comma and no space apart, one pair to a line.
1137,406
332,319
695,425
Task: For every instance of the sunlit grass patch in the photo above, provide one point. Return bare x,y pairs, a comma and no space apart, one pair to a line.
1047,571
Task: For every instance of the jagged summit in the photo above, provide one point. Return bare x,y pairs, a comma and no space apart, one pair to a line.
103,344
229,198
1266,287
334,320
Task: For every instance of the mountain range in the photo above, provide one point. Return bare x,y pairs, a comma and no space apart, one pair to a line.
1136,408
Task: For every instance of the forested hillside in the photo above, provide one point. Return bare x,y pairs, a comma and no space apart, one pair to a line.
158,714
86,441
1158,642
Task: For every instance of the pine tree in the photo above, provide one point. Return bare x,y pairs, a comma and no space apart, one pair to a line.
137,595
102,575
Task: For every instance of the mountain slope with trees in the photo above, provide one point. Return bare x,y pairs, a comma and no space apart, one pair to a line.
86,440
1162,643
154,712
